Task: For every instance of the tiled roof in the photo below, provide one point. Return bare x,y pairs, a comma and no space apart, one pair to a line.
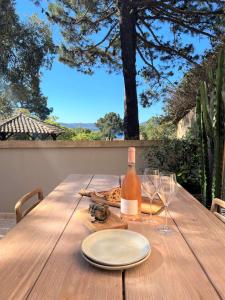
24,124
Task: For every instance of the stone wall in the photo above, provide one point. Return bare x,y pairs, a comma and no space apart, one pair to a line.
185,123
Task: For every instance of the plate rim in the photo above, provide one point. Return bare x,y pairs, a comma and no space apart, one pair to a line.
114,230
115,268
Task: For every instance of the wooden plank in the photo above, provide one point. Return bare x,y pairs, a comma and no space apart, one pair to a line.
67,275
26,248
205,235
171,272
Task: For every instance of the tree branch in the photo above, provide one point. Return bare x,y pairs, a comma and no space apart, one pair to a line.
165,48
112,41
177,21
161,3
192,12
105,37
82,19
147,63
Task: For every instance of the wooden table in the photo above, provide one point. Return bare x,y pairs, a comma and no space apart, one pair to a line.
40,258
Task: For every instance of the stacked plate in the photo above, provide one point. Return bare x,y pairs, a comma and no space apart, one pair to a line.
115,249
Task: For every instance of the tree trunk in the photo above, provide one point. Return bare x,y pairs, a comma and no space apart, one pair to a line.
128,20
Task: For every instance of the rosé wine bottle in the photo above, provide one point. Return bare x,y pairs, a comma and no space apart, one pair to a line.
131,191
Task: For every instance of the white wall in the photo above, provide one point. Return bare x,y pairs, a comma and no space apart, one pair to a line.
25,165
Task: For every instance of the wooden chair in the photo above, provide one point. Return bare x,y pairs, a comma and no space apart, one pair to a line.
18,207
217,204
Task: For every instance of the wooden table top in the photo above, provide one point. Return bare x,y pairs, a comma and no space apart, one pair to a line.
40,258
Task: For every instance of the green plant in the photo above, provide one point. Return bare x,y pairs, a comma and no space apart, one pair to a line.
110,125
114,34
87,136
79,134
75,134
26,49
156,128
210,119
179,156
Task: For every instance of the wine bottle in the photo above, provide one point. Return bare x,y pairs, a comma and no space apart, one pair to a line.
131,191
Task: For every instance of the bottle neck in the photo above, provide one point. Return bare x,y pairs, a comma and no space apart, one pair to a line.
131,167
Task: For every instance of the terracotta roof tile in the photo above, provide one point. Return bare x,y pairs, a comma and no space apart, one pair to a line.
24,124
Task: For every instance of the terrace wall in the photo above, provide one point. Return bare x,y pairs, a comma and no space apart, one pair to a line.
25,165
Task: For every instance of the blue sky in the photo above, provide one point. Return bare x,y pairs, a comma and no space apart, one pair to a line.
80,98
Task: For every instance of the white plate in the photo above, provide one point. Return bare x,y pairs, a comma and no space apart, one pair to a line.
115,268
116,247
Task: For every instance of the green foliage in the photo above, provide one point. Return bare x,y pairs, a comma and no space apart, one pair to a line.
181,99
53,120
179,156
114,34
25,48
81,23
87,136
79,134
92,35
211,122
6,105
155,128
74,134
110,125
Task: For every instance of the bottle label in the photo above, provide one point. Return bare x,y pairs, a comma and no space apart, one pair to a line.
129,207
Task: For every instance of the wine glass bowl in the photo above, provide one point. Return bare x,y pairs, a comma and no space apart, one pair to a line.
167,190
150,185
167,187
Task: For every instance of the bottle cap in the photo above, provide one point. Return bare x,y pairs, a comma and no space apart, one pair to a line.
131,155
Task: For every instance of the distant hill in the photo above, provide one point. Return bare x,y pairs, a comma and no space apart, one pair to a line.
90,126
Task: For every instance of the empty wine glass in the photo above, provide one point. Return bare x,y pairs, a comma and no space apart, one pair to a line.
150,185
168,185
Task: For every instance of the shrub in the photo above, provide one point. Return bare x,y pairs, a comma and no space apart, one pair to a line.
179,156
156,128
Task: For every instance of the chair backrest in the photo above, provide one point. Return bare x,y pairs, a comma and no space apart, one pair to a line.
18,207
216,207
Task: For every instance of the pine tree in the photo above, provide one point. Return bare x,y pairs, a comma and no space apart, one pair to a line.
113,33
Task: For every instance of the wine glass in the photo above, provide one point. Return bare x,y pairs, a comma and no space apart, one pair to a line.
150,185
168,185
